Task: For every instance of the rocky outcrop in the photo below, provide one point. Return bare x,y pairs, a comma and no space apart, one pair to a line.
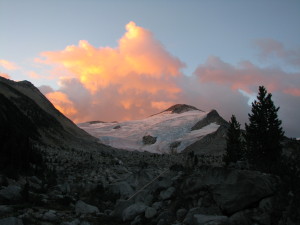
181,108
149,140
212,117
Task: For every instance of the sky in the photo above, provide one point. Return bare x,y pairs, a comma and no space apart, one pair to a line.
121,60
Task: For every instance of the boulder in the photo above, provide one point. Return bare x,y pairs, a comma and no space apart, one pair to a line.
121,205
180,214
132,211
199,219
157,205
242,217
50,216
83,208
247,188
11,221
10,193
149,140
167,194
150,213
166,218
121,188
5,209
232,190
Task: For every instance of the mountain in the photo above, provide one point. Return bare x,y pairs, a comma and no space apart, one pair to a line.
173,130
72,179
27,111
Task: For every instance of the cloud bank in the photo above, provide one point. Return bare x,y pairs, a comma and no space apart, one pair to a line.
135,79
139,78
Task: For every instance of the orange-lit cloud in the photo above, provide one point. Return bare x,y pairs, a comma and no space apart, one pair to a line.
247,76
62,103
8,65
4,75
137,73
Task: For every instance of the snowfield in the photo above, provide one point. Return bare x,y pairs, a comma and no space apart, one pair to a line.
167,127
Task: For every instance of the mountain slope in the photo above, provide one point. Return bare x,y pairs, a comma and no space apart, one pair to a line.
170,131
53,128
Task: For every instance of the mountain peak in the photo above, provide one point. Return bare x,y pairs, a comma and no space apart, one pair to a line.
181,108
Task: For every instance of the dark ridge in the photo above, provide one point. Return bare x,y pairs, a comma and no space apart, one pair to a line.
212,117
95,122
181,108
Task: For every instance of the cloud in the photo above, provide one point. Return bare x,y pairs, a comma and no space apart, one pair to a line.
271,48
62,103
8,65
139,78
133,80
228,88
5,75
247,77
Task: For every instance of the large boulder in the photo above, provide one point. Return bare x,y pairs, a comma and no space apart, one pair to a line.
150,213
132,211
121,188
167,194
83,208
247,188
11,221
10,193
232,190
210,219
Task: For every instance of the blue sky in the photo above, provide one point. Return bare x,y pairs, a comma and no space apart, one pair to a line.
191,31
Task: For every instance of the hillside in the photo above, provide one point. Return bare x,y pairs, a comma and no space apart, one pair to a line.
52,126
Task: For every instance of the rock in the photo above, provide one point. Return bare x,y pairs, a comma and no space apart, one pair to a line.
210,219
74,222
121,205
83,208
190,215
167,194
150,213
149,140
132,211
121,188
180,214
241,217
11,221
137,220
5,209
232,190
157,205
246,189
10,193
266,205
50,216
165,218
144,196
165,183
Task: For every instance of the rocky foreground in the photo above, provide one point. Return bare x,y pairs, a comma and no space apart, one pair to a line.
102,187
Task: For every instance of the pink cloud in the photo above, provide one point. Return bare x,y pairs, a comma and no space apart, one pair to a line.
4,75
8,65
272,48
246,76
138,74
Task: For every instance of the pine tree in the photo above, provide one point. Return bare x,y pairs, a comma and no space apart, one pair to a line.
234,144
264,133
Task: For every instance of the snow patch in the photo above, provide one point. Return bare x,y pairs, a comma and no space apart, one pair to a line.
167,127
